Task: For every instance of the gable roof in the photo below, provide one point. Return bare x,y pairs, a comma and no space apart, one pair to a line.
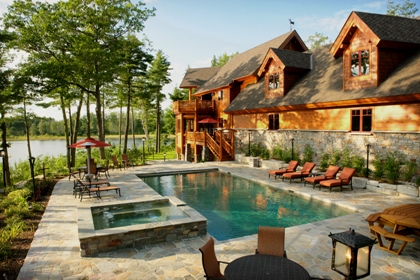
290,59
246,63
196,77
322,88
386,31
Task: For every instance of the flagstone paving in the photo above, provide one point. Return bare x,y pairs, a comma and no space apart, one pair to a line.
55,252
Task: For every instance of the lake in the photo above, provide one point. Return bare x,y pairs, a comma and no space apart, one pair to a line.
19,149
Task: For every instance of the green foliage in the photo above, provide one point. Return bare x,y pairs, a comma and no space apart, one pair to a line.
277,152
317,40
343,158
14,226
308,154
409,170
392,166
222,59
407,9
258,150
379,168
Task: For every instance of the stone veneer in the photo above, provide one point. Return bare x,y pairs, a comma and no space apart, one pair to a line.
325,141
94,241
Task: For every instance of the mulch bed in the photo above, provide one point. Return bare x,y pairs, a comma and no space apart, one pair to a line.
9,269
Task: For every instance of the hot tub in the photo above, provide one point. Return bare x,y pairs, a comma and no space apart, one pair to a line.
136,224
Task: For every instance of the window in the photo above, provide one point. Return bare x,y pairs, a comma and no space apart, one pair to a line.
220,95
273,121
361,120
360,63
273,81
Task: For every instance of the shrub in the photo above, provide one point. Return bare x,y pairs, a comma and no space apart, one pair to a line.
379,168
308,154
277,152
408,170
258,150
324,161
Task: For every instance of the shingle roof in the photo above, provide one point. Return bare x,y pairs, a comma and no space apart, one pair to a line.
243,64
196,77
324,83
293,59
392,28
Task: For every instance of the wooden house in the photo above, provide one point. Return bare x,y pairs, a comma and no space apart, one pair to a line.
363,89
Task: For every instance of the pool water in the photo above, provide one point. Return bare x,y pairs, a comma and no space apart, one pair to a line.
134,214
235,207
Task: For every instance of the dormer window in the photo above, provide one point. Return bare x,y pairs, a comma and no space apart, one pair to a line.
360,63
220,95
274,81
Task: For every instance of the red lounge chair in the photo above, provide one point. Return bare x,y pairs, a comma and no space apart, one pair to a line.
293,164
344,180
306,170
331,173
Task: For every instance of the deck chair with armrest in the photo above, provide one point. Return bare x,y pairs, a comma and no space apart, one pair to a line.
331,173
115,163
211,265
104,169
293,164
306,170
271,241
126,161
345,179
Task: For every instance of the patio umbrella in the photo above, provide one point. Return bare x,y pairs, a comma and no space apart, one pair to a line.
208,121
87,144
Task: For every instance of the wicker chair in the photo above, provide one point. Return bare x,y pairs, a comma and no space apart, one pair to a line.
211,265
293,164
271,241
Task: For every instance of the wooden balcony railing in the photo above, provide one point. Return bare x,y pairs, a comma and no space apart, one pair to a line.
185,106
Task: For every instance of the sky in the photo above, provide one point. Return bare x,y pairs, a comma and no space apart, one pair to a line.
191,32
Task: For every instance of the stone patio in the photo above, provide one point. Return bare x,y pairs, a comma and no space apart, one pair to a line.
55,251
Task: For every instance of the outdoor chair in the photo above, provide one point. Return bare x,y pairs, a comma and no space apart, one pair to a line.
115,163
126,161
293,164
104,169
211,265
306,170
331,173
73,173
344,179
271,241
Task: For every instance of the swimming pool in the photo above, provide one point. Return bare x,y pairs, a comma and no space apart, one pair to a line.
235,207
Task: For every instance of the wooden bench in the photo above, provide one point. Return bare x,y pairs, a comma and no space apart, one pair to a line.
381,232
107,188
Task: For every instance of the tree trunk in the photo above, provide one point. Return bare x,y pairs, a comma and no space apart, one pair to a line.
88,115
133,126
4,146
157,124
99,119
120,127
66,129
76,129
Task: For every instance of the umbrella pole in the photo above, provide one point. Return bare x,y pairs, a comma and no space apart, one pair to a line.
88,163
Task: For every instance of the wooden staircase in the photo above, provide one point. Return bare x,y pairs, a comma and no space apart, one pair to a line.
222,145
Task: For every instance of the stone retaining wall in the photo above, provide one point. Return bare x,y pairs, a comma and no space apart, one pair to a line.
322,142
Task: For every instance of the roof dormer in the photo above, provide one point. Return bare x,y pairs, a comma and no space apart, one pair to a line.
281,69
372,46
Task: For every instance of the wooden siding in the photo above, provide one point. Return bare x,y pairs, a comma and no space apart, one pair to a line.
275,67
360,42
388,60
385,118
397,118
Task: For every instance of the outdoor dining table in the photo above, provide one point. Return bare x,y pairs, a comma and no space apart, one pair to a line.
262,267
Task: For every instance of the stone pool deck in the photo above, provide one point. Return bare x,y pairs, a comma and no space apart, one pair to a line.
55,252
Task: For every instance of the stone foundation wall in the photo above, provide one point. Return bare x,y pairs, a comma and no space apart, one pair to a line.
326,141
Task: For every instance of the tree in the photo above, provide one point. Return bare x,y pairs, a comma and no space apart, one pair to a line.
77,42
317,40
407,9
222,59
179,94
158,77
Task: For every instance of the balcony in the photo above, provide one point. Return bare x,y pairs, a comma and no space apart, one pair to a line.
191,106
